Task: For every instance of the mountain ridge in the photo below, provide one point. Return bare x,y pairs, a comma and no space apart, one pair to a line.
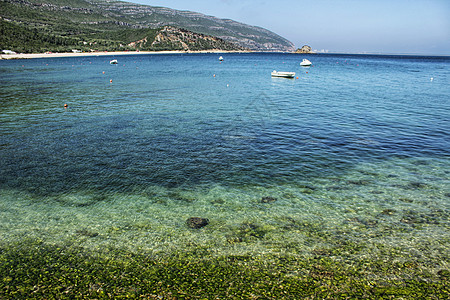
89,18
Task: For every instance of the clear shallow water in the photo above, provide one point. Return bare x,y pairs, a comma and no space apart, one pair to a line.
356,150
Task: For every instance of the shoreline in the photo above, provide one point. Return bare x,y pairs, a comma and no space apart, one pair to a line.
105,53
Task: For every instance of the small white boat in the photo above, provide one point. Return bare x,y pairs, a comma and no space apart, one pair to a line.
305,63
283,74
221,58
113,62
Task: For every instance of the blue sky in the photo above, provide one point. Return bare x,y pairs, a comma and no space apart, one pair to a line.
353,26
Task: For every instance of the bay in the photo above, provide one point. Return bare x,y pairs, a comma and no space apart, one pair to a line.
355,149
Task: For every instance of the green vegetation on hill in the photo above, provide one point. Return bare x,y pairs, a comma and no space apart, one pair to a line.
23,39
62,25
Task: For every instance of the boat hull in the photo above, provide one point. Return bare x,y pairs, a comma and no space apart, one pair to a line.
305,63
283,74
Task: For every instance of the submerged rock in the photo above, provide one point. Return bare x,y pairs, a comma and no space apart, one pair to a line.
86,232
388,212
196,222
268,199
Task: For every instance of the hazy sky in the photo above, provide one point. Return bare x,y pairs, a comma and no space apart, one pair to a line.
386,26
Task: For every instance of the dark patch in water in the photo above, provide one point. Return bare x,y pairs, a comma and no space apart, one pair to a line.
306,186
412,217
444,274
245,232
388,212
172,184
407,200
268,199
417,185
196,223
322,252
86,232
376,192
338,188
218,201
81,201
250,229
365,222
178,197
307,189
359,182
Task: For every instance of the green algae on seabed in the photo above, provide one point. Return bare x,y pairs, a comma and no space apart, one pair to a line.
35,270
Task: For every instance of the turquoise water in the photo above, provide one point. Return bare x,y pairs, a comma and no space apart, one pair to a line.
356,150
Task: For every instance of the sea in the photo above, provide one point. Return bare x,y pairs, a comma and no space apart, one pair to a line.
354,149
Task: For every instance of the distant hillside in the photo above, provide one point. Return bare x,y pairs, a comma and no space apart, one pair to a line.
23,40
56,25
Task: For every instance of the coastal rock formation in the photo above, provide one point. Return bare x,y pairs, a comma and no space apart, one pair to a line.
196,222
180,39
304,49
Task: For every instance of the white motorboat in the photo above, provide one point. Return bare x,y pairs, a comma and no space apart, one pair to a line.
221,58
305,63
283,74
113,62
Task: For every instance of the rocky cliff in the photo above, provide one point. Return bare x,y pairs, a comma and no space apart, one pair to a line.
172,38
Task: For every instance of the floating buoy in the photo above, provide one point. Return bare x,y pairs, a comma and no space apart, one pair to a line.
103,72
297,77
431,79
65,105
214,75
110,80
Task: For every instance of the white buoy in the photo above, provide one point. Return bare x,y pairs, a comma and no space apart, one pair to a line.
431,79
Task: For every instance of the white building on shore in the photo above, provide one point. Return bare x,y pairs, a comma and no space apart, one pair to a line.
8,52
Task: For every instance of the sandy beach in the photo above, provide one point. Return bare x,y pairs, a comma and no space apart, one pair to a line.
103,53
